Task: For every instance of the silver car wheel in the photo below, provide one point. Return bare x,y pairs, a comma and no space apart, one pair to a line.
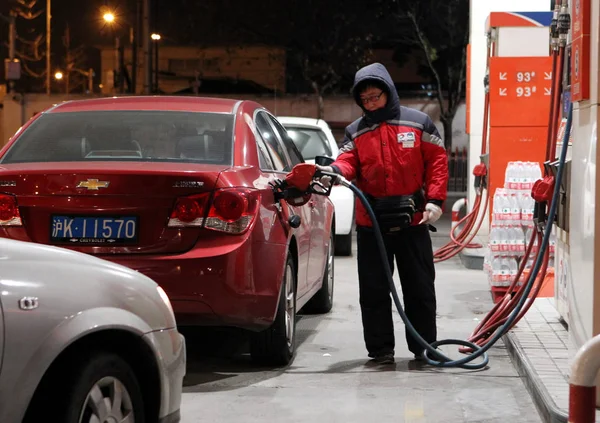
107,402
290,309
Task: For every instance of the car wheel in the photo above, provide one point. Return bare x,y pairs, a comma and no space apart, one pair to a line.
322,302
277,344
101,388
343,245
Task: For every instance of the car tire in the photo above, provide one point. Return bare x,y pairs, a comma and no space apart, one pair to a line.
343,245
322,301
277,344
93,381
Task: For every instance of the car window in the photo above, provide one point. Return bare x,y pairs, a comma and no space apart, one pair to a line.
310,142
264,159
126,135
275,148
292,150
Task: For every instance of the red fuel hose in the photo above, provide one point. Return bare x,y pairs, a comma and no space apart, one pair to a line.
499,314
458,242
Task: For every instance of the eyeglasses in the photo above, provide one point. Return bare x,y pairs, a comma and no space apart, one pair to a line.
373,98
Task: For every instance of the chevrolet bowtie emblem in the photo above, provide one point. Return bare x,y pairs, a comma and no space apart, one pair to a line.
93,184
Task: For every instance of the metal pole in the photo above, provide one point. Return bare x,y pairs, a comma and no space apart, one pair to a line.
91,81
117,77
12,36
156,67
582,383
134,46
146,47
48,48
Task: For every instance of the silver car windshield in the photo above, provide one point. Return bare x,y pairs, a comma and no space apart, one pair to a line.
126,136
310,142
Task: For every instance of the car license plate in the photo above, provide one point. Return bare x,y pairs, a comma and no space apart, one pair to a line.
94,230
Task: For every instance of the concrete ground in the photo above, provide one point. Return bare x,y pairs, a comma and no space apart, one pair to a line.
328,380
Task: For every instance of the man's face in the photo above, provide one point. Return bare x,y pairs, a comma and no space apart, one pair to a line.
373,98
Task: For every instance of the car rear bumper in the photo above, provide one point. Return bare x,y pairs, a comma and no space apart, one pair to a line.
169,346
234,288
343,202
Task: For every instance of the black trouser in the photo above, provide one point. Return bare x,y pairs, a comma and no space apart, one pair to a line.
414,256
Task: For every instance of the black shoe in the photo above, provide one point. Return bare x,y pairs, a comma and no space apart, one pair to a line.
384,359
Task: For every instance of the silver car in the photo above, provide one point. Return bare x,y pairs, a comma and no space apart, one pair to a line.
84,340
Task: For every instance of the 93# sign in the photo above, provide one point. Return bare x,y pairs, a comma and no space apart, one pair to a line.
519,85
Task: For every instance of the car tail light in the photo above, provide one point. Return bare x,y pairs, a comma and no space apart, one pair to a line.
9,211
233,210
189,211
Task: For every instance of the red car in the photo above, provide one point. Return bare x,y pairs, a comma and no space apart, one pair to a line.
179,189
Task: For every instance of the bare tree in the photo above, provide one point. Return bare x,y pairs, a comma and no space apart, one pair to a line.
325,42
74,61
329,44
29,48
439,31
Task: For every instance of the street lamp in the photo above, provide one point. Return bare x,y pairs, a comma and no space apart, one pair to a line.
108,17
156,38
58,75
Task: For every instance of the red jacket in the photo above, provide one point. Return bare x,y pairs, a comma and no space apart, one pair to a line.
398,155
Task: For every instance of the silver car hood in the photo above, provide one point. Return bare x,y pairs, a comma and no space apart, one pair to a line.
66,283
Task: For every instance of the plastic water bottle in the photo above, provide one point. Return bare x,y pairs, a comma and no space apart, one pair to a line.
515,210
519,237
513,269
509,175
504,271
495,279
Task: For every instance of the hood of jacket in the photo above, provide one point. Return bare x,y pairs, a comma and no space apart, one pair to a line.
377,73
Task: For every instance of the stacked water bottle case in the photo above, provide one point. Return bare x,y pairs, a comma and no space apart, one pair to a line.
512,225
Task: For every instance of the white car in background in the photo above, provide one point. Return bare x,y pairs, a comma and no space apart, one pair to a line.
313,137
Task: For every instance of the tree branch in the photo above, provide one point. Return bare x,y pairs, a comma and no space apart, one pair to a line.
426,49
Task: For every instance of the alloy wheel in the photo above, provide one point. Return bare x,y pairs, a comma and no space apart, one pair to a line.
330,275
107,402
290,309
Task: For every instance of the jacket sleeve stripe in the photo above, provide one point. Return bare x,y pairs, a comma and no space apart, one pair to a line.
433,139
349,146
406,123
364,131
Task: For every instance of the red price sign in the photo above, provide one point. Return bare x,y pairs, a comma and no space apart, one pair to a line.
520,90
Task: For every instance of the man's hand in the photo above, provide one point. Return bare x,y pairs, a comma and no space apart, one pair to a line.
325,179
431,214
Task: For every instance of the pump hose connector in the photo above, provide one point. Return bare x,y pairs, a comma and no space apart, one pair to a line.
564,23
554,34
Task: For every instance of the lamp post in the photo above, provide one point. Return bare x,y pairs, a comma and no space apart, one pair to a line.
109,18
156,38
48,48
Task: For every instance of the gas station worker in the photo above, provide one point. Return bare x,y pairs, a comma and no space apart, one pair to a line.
398,159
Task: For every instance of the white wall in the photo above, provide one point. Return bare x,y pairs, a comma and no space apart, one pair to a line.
480,10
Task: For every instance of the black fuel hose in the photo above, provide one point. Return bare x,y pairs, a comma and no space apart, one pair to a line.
430,350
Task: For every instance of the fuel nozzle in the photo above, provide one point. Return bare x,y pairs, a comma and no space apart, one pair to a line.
301,183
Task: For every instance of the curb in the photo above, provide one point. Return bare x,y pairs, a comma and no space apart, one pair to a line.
471,259
546,406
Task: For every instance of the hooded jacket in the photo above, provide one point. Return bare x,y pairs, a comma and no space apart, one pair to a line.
392,151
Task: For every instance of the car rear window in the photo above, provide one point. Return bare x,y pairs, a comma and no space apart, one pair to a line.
151,136
310,142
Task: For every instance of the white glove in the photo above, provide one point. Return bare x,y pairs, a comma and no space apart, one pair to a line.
431,214
325,179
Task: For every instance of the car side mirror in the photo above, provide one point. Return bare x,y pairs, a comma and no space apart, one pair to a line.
323,160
